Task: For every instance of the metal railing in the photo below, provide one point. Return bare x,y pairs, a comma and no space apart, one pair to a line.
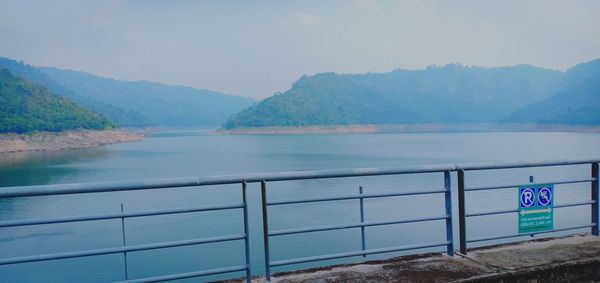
263,179
461,169
11,192
449,243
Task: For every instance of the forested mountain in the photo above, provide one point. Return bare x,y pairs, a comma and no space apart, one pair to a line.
448,94
576,102
122,116
27,107
135,103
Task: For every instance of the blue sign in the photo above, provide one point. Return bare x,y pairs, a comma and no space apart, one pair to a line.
544,196
527,197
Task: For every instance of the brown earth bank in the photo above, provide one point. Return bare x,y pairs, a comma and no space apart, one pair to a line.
405,128
325,129
48,141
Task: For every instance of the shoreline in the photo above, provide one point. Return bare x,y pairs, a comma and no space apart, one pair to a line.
76,139
405,128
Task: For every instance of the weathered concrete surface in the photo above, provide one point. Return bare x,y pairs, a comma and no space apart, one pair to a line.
570,259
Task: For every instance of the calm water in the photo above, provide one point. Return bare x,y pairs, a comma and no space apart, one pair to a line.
170,154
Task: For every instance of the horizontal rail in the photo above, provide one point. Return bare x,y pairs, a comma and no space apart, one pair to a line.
42,221
529,234
356,253
520,164
356,196
587,202
22,191
514,210
351,225
519,185
115,250
187,275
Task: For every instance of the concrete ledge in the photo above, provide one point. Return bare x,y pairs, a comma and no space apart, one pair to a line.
586,270
568,259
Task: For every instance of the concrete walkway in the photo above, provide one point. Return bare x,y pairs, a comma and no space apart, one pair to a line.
570,259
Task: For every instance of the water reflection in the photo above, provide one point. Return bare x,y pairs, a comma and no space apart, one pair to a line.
34,168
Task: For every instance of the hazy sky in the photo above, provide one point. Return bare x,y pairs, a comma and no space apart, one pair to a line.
254,48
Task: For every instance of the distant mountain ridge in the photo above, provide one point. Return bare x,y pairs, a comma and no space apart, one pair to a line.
448,94
134,103
122,116
577,102
26,107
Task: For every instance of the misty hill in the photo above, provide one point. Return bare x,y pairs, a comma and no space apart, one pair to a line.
448,94
577,102
159,104
134,103
27,107
122,116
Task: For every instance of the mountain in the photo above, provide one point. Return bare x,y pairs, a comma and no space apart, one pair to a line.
135,103
122,116
577,102
27,107
447,94
159,104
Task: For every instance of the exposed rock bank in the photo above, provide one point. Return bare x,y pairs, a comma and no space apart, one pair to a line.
407,128
324,129
46,141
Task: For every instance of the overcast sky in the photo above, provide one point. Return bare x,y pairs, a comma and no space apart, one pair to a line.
255,48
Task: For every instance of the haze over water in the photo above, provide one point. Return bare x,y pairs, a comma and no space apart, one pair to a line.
193,152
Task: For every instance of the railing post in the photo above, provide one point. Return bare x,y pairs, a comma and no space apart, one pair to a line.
448,201
462,233
124,244
246,231
595,195
362,220
265,218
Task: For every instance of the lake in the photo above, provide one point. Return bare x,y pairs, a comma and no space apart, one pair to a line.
195,152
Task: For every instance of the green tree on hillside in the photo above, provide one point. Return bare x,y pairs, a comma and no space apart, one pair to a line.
26,107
